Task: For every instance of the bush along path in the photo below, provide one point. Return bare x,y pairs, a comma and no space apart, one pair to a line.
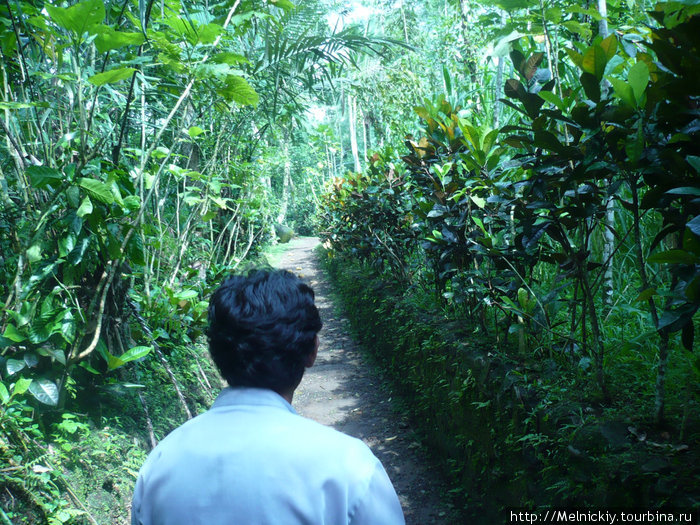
343,390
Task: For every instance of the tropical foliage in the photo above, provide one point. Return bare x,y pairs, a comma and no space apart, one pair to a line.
569,234
525,170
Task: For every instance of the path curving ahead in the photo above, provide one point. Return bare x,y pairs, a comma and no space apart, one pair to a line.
344,391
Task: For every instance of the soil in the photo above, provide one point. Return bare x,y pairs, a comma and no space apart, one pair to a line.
345,391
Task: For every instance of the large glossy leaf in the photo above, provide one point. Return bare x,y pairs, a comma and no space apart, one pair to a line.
12,334
42,176
14,365
130,355
594,61
80,18
97,189
44,391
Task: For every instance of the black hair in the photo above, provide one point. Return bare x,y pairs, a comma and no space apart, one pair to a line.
262,329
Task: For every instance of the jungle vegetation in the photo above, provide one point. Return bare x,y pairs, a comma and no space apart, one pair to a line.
512,185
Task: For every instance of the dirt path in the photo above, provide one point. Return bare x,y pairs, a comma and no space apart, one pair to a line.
343,390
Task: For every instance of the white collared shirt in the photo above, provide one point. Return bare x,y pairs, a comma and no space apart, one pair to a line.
251,459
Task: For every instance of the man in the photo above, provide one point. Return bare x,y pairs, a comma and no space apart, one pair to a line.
251,459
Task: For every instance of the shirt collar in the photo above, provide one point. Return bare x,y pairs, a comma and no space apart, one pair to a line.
237,396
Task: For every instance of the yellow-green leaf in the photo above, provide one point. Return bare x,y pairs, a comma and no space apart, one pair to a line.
237,89
111,76
594,61
85,207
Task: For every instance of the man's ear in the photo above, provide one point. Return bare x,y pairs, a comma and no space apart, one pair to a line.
312,356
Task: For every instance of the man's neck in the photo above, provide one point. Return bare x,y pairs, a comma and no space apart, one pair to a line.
288,396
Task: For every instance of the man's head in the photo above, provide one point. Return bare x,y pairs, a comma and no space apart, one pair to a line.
262,330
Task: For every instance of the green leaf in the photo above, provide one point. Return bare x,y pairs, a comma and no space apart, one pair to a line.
479,201
694,161
87,367
58,354
208,33
97,189
4,394
591,86
185,295
209,215
85,207
111,76
685,190
15,365
44,391
646,295
594,61
674,257
624,91
108,39
236,89
609,45
638,78
132,202
283,4
42,176
12,334
635,144
34,253
584,30
195,131
137,352
479,223
76,256
575,56
229,58
66,244
21,386
79,18
523,298
694,225
553,99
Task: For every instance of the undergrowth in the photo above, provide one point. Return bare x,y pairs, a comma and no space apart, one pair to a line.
513,430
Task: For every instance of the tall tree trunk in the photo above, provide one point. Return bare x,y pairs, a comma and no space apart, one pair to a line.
287,180
363,120
498,88
608,235
353,133
403,19
603,24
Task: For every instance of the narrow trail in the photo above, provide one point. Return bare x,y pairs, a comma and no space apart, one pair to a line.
344,391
